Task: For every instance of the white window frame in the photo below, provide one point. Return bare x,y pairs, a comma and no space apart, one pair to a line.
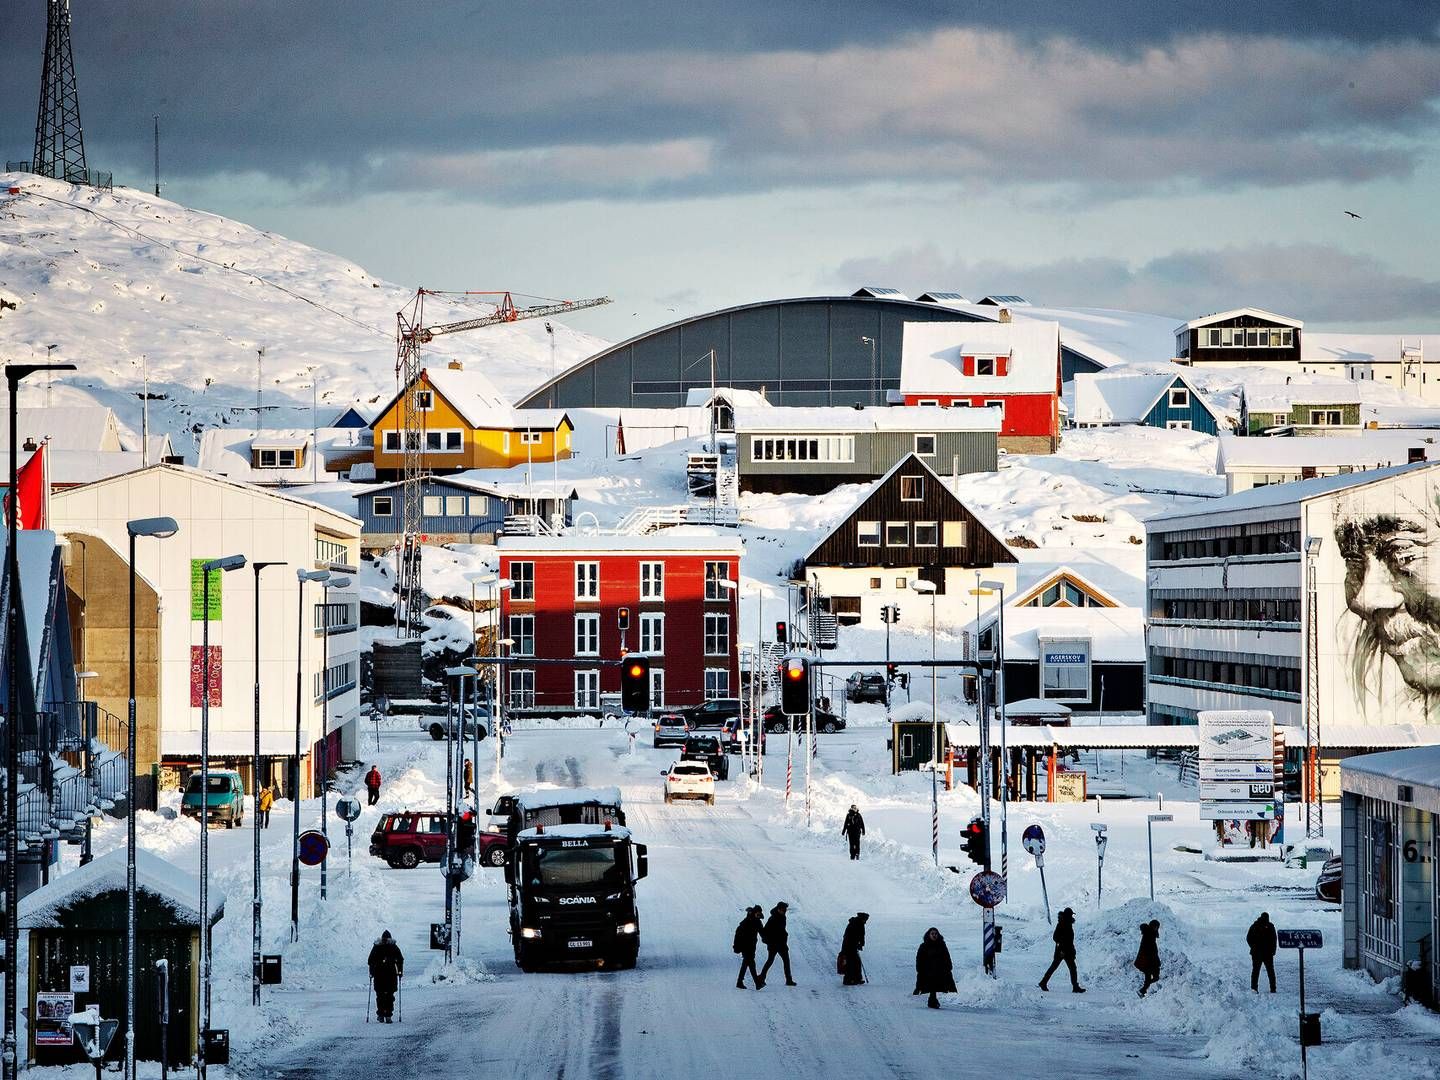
657,687
652,633
860,531
1179,397
927,401
454,505
432,506
587,689
933,444
652,581
531,438
981,361
478,505
919,495
520,637
720,634
522,688
424,400
587,581
934,527
717,683
716,572
587,634
522,576
443,437
389,503
891,525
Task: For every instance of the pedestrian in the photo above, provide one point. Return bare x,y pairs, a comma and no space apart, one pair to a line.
854,828
934,974
263,803
747,937
1064,938
387,968
469,775
1261,940
1147,960
777,941
850,946
372,784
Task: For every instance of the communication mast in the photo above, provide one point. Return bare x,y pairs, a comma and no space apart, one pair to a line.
59,142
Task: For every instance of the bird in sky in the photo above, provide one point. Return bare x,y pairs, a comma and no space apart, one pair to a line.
1351,213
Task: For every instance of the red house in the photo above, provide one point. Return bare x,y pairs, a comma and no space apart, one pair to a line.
1013,364
570,595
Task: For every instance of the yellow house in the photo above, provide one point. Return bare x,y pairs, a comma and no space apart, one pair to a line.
468,424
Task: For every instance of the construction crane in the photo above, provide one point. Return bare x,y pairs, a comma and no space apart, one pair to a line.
411,332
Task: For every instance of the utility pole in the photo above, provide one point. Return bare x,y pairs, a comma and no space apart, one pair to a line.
157,154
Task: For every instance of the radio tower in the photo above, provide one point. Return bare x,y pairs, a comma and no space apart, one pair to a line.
59,144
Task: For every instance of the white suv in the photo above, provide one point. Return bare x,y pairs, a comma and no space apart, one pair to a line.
689,780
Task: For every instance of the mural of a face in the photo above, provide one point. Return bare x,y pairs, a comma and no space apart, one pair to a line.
1392,584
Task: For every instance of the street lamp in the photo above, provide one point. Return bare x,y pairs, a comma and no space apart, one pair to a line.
222,565
81,677
332,581
1101,839
874,371
302,575
160,528
14,373
997,665
733,588
1310,787
255,796
920,585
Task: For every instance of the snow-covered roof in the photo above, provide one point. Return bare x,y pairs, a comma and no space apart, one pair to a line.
946,299
881,292
1317,348
537,798
1380,775
541,419
1116,635
1126,395
1029,707
930,357
1362,450
1235,313
470,393
227,452
833,419
578,832
156,879
71,467
68,427
1281,397
682,538
1400,416
701,396
500,489
1091,570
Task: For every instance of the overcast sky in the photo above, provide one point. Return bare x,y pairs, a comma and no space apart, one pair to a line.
1147,154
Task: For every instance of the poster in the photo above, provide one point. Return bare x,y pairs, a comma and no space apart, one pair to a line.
1070,786
1238,735
197,675
197,591
52,1018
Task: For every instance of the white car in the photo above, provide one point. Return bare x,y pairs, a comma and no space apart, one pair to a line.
689,780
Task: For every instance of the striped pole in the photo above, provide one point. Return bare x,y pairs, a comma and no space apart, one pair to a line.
935,830
789,759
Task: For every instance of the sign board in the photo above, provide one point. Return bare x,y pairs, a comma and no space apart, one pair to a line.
197,591
987,888
79,978
439,936
51,1025
347,809
313,848
1235,735
1237,770
1034,840
1299,939
197,675
1223,810
1231,789
1070,786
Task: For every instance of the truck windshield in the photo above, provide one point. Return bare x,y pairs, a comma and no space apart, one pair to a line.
576,866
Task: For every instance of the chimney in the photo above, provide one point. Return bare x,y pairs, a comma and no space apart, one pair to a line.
456,365
1004,314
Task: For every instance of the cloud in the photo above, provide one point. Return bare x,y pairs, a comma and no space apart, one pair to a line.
1318,283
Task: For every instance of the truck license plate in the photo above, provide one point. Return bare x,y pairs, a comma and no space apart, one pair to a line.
581,943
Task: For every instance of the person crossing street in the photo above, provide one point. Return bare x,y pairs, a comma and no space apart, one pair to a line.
934,972
387,968
854,828
1064,938
777,941
263,803
372,784
747,937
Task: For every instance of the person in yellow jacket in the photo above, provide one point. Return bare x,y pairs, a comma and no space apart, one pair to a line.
263,805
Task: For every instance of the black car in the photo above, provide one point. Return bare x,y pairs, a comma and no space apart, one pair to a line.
712,713
826,722
710,750
865,686
1327,885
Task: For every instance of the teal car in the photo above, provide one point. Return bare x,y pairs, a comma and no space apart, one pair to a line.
224,800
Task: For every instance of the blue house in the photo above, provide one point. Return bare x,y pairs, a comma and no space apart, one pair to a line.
456,510
1160,399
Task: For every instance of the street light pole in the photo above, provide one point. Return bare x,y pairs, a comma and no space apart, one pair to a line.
922,586
330,582
256,899
998,667
302,575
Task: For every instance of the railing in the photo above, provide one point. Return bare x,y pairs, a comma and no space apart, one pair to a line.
646,519
526,525
1189,767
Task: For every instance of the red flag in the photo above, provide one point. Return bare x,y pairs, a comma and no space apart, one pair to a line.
620,436
31,484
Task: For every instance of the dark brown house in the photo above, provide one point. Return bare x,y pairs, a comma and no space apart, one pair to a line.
1243,336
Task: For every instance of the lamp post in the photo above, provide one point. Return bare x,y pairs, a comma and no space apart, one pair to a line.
255,900
160,528
302,575
733,588
874,371
331,581
1310,777
920,585
229,562
14,373
81,677
998,666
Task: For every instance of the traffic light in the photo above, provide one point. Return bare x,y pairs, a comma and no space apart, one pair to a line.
780,634
891,671
977,843
795,686
635,684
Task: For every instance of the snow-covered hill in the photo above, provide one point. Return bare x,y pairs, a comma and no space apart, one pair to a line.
107,277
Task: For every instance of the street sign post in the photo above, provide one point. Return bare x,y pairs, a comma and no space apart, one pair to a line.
347,810
1150,820
1033,841
987,889
1301,940
1100,841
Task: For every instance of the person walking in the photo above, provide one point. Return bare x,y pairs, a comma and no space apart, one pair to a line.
1064,938
1147,960
850,946
934,973
372,784
263,803
777,941
1261,940
469,775
747,936
387,968
854,828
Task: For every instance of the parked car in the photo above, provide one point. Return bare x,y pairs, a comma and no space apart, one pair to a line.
224,800
865,686
689,780
733,734
709,749
1328,884
712,713
438,725
410,837
826,722
498,821
670,729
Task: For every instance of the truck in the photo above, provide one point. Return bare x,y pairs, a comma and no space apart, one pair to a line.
565,806
572,895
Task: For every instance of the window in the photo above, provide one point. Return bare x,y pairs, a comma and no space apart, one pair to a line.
985,365
522,688
275,459
1325,417
587,581
1179,397
927,534
652,633
522,632
907,746
444,441
715,573
424,400
928,401
868,534
392,442
901,584
329,551
912,488
383,506
657,687
925,445
996,404
876,583
956,403
897,534
1065,675
431,505
717,634
1177,425
717,683
587,689
652,581
953,534
530,438
454,505
522,574
1226,337
587,635
803,448
479,505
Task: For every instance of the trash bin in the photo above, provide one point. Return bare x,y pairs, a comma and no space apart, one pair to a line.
1309,1029
270,971
217,1046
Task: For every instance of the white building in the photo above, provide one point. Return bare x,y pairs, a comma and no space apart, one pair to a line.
1251,463
278,457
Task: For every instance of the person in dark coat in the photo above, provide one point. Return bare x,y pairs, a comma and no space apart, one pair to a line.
1064,938
372,784
777,941
387,968
1261,940
854,828
1147,960
850,946
934,974
747,935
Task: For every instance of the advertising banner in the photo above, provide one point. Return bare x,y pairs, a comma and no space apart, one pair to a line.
1226,810
197,675
197,590
1228,789
52,1018
1250,771
1234,735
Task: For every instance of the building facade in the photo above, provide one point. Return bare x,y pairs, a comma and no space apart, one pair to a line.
1252,463
1165,399
1298,409
455,510
1243,337
591,600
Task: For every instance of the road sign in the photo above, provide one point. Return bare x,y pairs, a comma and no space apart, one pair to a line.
1237,770
1299,939
313,848
1034,840
1227,810
987,888
1237,789
347,809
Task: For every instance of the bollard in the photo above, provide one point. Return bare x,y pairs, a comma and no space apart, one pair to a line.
1097,804
1161,796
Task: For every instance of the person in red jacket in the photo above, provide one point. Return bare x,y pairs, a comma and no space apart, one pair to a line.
372,784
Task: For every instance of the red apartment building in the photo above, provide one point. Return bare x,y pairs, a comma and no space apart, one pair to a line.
1011,364
566,600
